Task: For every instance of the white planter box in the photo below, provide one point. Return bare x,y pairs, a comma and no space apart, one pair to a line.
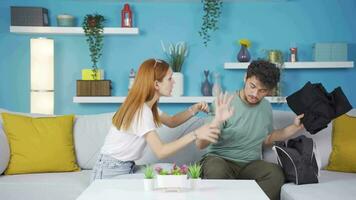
172,181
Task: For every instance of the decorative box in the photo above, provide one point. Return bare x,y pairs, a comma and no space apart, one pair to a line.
87,74
93,88
330,51
29,16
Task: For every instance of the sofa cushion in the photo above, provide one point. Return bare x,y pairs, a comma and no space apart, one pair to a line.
343,153
4,144
53,186
4,150
43,144
89,135
332,185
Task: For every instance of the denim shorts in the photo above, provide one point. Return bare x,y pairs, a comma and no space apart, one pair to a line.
108,167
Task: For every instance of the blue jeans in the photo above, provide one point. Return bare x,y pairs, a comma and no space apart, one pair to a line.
107,167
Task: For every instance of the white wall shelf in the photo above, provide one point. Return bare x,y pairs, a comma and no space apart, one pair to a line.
298,65
69,30
184,99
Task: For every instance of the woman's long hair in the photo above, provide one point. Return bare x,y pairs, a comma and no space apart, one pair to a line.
142,90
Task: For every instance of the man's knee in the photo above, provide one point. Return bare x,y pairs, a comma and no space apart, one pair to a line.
276,174
215,168
272,182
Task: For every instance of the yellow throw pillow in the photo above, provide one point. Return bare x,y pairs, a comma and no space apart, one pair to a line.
342,157
43,144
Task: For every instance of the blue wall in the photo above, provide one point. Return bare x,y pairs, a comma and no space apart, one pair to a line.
269,24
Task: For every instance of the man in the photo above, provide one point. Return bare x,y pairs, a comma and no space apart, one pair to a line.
238,152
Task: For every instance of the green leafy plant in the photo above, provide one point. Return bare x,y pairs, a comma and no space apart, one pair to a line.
194,171
176,54
93,26
149,172
212,11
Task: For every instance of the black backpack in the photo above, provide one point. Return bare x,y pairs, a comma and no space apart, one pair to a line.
298,159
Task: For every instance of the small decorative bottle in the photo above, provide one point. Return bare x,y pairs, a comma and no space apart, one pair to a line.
126,16
131,78
216,85
293,56
206,86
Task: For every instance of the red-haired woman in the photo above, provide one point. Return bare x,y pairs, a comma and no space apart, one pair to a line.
135,123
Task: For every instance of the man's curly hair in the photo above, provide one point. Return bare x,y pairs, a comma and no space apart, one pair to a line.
266,72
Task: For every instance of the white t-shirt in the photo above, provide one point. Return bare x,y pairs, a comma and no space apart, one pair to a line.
129,145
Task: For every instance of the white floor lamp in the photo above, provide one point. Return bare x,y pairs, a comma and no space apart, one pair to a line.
42,76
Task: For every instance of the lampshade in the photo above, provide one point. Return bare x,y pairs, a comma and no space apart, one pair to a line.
42,76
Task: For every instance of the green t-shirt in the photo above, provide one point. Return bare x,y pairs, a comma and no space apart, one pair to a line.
243,134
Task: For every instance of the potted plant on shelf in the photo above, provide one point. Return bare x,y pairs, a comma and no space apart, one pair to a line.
275,56
176,54
93,26
194,172
148,181
212,11
174,179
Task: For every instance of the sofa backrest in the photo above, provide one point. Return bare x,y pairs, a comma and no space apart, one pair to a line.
4,150
90,132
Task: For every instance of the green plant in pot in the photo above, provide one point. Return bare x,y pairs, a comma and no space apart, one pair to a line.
176,55
276,57
148,180
212,11
93,26
149,172
194,171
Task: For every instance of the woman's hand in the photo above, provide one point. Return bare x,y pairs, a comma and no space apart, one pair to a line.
208,132
201,106
223,110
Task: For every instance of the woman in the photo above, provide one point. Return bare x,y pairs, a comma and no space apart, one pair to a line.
135,123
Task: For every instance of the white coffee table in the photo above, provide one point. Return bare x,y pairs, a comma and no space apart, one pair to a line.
132,189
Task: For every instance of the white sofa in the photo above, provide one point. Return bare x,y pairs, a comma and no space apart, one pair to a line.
89,133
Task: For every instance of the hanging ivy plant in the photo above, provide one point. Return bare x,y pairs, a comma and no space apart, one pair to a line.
212,11
93,26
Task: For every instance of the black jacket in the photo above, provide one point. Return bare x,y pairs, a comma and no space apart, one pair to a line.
319,106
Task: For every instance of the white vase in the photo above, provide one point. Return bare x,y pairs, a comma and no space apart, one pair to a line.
194,183
148,184
172,181
178,87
